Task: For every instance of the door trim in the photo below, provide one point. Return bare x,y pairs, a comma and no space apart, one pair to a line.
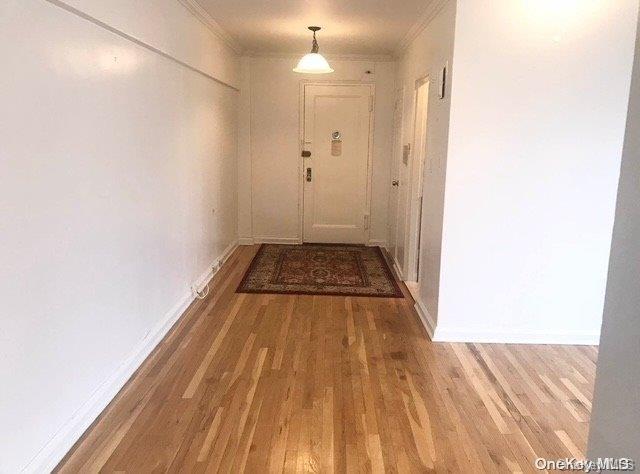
301,177
417,169
397,144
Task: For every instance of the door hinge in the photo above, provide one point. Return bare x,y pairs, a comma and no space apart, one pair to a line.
366,222
370,103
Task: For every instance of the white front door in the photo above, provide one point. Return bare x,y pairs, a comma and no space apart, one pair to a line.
337,120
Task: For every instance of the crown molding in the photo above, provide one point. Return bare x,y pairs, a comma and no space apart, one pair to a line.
329,56
430,12
201,14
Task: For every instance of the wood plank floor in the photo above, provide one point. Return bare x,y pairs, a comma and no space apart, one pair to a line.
273,383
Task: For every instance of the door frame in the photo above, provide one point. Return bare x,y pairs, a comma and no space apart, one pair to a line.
301,176
413,222
397,150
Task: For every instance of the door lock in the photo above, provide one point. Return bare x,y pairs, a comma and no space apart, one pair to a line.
308,175
395,182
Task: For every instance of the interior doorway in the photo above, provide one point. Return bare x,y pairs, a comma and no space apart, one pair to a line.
395,247
336,157
418,165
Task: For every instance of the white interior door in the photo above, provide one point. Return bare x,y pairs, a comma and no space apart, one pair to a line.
404,178
336,173
417,179
395,175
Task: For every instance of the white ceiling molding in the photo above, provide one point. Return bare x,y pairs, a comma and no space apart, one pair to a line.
201,14
429,14
334,57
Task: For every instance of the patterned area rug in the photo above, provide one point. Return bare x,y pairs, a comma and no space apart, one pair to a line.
320,269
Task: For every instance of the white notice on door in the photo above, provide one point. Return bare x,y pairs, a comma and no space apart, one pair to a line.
336,147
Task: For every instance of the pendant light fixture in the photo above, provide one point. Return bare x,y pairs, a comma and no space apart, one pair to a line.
313,62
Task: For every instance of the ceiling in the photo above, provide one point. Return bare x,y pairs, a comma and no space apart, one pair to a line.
349,27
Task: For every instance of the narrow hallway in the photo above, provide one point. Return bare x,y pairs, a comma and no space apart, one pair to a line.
293,236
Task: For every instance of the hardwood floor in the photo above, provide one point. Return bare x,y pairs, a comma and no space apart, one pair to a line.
272,383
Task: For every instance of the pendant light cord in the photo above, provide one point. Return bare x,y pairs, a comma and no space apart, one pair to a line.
314,45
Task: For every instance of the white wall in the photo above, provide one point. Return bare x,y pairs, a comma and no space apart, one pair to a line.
274,144
172,29
538,109
245,231
112,160
613,428
426,55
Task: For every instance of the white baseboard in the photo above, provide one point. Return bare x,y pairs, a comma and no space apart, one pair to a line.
58,446
245,241
377,243
396,268
226,253
277,240
215,265
440,334
425,318
503,337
